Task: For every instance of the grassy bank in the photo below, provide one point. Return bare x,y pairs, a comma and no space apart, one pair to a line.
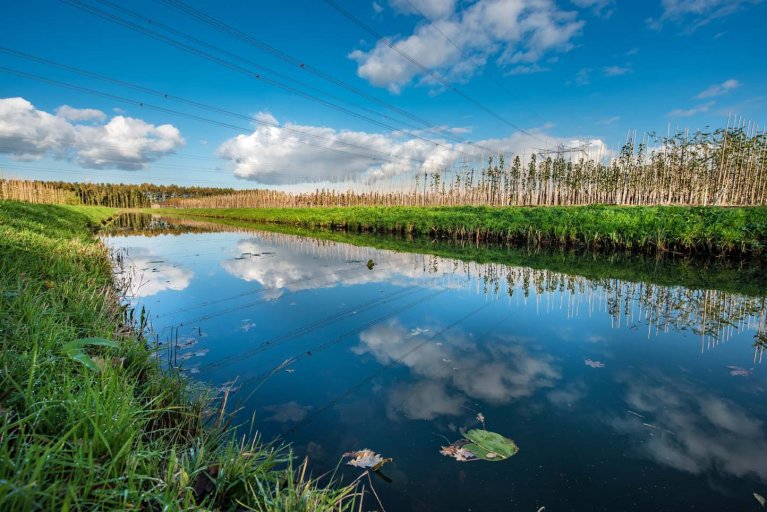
709,273
98,425
650,229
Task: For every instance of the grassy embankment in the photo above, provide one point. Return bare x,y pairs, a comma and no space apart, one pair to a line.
649,229
117,433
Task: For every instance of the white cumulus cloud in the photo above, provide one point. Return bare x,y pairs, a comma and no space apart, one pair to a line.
27,133
602,8
80,114
616,70
292,153
432,9
689,112
455,43
719,89
697,12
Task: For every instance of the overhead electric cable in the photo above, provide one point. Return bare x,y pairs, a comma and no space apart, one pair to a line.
354,19
295,61
164,109
236,67
466,56
198,104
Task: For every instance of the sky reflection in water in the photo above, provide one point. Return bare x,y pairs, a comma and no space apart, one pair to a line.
621,395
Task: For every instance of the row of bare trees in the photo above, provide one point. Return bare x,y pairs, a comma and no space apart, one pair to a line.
726,167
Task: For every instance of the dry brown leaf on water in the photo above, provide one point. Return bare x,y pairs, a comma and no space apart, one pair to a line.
760,499
366,458
458,452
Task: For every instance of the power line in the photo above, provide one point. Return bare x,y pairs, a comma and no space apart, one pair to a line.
170,111
258,76
292,60
338,339
194,103
295,61
311,327
182,168
354,19
490,74
237,57
418,346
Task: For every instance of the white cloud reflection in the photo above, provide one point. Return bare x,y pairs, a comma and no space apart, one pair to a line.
691,430
278,268
498,370
149,274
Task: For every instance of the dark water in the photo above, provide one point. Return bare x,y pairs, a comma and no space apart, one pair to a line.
622,395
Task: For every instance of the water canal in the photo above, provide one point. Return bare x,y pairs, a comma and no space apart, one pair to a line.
624,390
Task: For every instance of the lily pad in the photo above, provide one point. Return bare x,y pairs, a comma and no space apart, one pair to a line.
490,445
481,445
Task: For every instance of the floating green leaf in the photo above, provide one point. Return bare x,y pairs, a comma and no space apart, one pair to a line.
481,444
489,445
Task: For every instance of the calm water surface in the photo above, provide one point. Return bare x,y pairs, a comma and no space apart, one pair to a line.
621,395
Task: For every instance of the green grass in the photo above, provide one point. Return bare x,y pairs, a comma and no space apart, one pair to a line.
127,437
649,229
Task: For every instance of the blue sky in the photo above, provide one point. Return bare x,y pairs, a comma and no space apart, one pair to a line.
562,71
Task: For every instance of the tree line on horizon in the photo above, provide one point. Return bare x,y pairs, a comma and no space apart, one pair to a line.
115,195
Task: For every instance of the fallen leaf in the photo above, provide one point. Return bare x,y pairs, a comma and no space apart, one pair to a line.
458,451
366,458
760,499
